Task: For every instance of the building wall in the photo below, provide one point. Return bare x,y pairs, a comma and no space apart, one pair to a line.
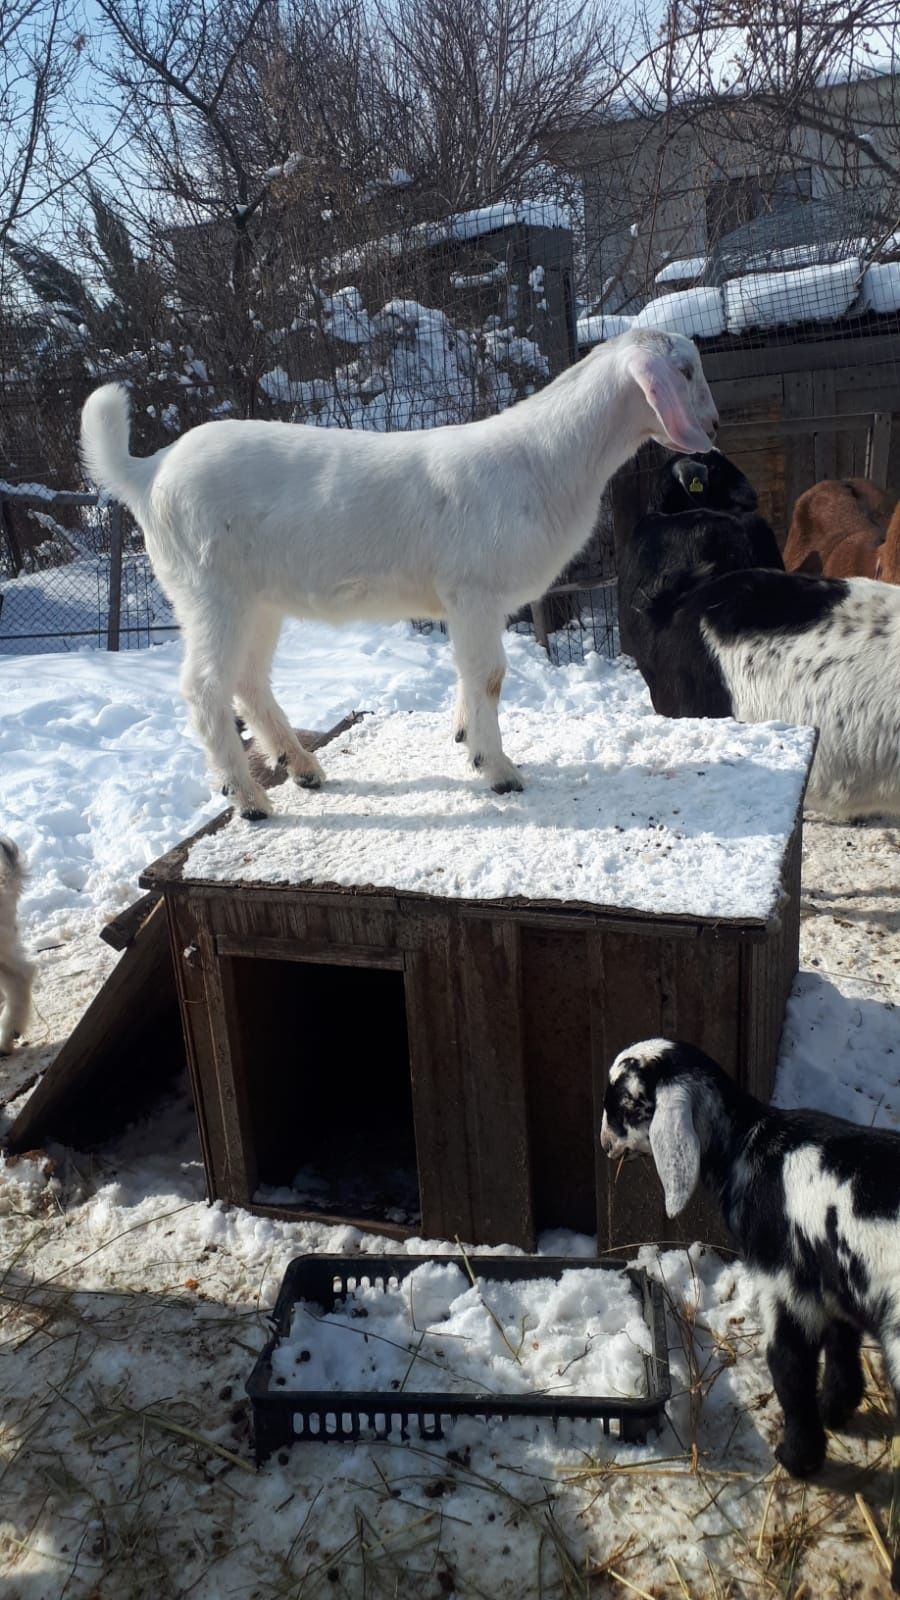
647,184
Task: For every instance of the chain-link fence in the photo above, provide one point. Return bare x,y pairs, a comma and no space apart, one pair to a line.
74,575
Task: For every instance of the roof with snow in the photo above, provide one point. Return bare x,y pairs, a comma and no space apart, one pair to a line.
828,292
460,226
686,819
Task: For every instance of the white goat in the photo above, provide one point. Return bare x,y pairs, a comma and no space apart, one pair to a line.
16,971
247,522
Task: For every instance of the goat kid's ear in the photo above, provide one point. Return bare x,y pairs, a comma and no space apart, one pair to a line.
666,391
675,1146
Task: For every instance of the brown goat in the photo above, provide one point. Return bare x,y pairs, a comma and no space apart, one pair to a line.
888,567
838,529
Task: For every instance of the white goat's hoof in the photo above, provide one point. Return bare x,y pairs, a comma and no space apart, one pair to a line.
501,774
309,777
253,803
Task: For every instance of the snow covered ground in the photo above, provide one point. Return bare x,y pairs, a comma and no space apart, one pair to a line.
131,1312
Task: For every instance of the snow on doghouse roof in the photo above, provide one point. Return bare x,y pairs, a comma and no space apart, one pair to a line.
679,818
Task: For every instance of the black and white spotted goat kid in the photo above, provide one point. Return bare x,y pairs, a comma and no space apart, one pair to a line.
813,1204
15,970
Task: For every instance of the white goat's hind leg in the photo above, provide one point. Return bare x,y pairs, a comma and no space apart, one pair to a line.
257,705
476,633
15,988
214,644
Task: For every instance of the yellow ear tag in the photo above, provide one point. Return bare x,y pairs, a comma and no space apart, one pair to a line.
695,486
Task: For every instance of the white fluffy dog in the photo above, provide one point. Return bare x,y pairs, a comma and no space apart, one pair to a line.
16,972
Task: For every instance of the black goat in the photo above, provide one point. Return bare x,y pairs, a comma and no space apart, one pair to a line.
704,523
710,482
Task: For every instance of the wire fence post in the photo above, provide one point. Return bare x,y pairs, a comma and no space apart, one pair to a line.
114,615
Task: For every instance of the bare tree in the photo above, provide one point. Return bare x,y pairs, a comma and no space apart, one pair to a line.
482,88
38,54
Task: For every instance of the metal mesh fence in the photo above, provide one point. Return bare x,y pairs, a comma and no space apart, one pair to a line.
85,582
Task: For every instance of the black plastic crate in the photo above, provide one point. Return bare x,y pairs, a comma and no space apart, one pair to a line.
282,1415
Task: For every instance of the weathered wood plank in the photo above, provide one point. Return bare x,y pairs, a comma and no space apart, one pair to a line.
556,1033
800,454
435,1025
329,955
127,1041
824,454
878,452
493,1075
122,929
880,350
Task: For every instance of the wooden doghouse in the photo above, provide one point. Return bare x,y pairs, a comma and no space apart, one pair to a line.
401,996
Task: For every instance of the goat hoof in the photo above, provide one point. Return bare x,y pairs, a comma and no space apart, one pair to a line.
460,736
801,1455
838,1407
253,815
308,780
508,786
477,761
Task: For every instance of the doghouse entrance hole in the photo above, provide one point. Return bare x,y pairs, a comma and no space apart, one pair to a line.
325,1058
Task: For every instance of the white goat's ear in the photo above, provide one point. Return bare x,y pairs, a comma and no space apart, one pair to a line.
675,1146
666,391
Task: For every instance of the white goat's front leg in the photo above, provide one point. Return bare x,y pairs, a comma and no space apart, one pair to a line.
215,643
476,634
460,714
257,705
15,988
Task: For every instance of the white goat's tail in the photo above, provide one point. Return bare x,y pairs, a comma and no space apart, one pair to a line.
105,429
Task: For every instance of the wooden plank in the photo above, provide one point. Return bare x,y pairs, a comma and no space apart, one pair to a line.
235,1159
126,1042
259,948
556,1034
495,1096
800,456
122,929
539,623
881,351
554,914
824,454
735,394
182,920
435,1025
879,448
